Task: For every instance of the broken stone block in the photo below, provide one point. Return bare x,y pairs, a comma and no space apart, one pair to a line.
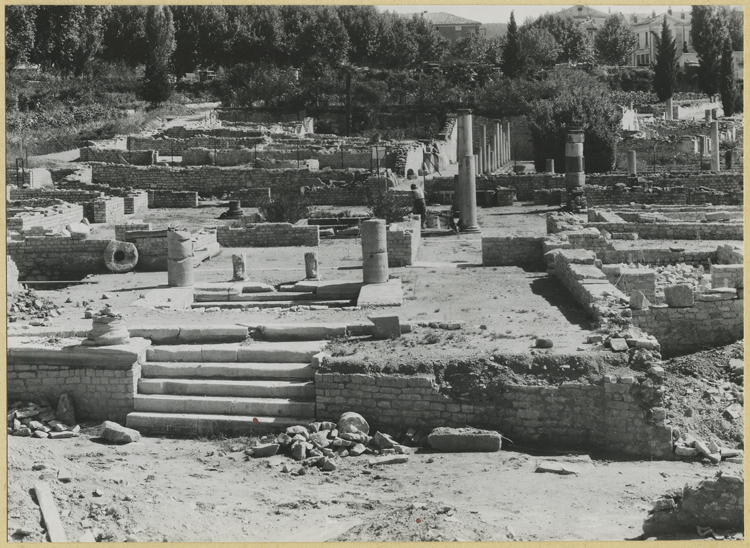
293,430
593,339
685,452
357,450
702,448
357,437
111,431
638,301
383,441
386,327
544,343
283,439
679,295
663,504
60,435
65,412
618,345
64,476
239,267
352,422
40,434
265,450
328,465
400,459
320,439
342,452
461,440
299,451
733,412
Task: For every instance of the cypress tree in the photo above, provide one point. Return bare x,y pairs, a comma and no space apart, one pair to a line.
665,68
728,82
511,61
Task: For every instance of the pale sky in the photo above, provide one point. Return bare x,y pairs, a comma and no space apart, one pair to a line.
501,13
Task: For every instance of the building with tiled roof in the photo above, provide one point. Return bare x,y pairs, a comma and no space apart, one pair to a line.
647,28
451,27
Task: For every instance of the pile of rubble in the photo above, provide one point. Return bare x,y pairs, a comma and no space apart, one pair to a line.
682,273
28,305
41,421
689,447
322,444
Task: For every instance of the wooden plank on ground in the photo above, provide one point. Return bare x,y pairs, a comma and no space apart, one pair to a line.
49,512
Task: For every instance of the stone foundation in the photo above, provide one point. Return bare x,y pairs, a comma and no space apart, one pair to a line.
239,234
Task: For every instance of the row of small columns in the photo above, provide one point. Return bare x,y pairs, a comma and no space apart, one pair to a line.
494,152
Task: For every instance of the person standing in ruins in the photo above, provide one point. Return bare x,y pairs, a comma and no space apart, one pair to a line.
420,206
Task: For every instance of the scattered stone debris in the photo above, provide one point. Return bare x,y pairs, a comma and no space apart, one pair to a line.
111,431
41,421
688,447
28,305
716,504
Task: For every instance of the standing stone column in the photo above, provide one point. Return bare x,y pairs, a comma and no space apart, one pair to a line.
707,114
374,251
669,109
483,167
498,140
715,162
575,178
508,149
464,147
239,267
488,157
311,265
632,165
179,258
493,158
550,167
467,185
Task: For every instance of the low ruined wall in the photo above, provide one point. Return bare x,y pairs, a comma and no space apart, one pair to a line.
685,330
172,199
108,210
727,254
136,203
614,415
628,279
601,196
238,234
676,230
54,218
70,196
403,240
526,185
54,256
205,180
585,282
183,132
176,147
19,177
102,383
512,251
152,244
11,276
117,156
727,275
251,197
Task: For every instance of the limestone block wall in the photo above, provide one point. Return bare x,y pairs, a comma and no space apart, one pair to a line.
251,197
706,324
727,275
70,196
198,157
206,180
54,218
585,282
135,203
727,254
238,234
167,146
184,132
403,241
676,230
512,251
172,199
54,256
108,210
19,177
118,156
616,415
103,385
628,279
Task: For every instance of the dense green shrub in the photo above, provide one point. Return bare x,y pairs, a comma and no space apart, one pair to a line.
285,208
385,205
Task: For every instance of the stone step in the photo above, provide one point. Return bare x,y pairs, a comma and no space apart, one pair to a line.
218,405
270,304
244,371
262,352
237,388
265,297
296,288
192,424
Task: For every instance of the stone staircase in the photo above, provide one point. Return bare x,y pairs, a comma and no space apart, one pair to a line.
329,294
191,390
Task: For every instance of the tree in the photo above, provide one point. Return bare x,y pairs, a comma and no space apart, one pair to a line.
254,32
728,84
124,35
539,48
574,98
736,27
472,47
512,61
572,37
161,43
615,41
19,34
323,36
710,28
430,44
68,37
665,67
199,35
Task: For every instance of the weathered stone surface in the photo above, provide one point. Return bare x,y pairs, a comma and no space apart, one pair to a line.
638,301
460,440
618,345
383,441
389,460
544,343
116,433
265,450
386,327
292,430
299,451
65,412
733,412
352,422
320,439
716,503
357,450
679,295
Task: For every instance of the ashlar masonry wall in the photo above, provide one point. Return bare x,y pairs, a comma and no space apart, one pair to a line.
172,199
117,156
512,251
102,381
403,241
239,234
618,414
53,218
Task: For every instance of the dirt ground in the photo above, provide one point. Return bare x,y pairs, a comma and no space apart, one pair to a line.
206,491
